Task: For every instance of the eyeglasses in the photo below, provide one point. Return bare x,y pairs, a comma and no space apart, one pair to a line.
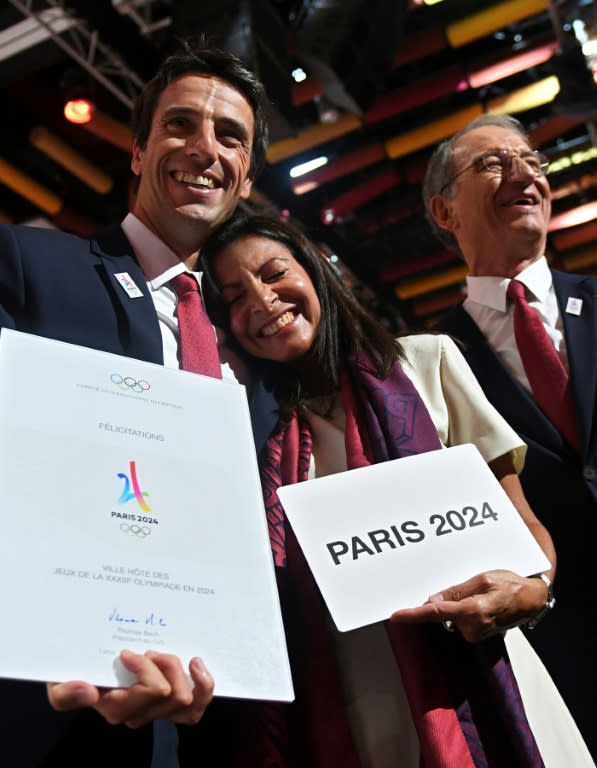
499,163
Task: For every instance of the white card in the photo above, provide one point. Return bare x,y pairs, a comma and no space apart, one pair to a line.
385,537
132,517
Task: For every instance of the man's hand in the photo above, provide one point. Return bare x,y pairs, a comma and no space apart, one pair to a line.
485,605
162,690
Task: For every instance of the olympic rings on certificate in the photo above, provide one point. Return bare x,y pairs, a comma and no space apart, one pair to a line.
141,531
127,382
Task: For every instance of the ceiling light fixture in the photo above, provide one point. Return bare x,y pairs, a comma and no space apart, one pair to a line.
106,127
575,158
79,111
299,75
31,190
310,165
511,66
311,137
572,218
492,20
531,96
78,91
68,158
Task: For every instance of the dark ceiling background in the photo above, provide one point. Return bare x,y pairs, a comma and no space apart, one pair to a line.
385,80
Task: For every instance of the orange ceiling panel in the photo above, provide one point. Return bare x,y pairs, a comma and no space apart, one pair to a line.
491,20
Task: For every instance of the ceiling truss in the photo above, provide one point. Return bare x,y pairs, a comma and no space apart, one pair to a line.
85,47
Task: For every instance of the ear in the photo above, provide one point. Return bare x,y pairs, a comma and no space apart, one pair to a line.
246,188
441,210
137,159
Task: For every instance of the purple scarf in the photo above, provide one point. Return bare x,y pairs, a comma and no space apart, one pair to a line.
464,699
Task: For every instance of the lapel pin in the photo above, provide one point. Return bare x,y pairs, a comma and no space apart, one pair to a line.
574,306
129,285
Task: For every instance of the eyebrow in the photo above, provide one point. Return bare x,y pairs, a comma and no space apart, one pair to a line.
179,110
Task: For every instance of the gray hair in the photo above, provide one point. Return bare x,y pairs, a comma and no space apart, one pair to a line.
440,168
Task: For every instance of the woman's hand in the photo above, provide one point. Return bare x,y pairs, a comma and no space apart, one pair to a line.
495,601
162,690
487,604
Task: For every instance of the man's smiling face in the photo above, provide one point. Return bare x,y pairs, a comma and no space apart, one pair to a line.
499,220
194,166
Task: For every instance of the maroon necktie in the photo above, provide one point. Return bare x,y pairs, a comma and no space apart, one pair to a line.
198,351
545,371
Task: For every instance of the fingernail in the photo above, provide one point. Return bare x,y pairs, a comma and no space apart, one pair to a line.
198,666
127,655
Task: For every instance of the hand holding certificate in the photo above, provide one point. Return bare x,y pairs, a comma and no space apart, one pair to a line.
161,690
132,519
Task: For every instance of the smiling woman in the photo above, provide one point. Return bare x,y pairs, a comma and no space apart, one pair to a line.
282,257
274,310
351,395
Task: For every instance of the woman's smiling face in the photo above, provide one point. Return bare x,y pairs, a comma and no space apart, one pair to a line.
274,309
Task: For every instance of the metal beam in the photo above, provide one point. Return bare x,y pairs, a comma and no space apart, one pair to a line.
85,47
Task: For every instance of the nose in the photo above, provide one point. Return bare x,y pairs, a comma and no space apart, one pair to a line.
263,298
520,170
202,144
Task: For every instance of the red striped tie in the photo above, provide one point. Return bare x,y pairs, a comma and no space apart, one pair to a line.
198,351
545,371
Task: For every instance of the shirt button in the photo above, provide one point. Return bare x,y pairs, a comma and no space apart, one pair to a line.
589,472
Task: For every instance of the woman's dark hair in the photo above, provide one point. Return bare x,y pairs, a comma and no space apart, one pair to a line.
200,59
345,325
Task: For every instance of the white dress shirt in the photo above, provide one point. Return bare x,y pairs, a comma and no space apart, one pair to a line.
486,303
160,265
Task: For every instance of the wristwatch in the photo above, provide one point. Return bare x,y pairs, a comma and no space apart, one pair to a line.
549,603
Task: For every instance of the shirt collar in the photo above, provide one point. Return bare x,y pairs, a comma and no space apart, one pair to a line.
491,291
158,262
538,278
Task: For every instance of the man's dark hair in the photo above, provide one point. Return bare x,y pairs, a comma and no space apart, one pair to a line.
440,168
214,62
345,326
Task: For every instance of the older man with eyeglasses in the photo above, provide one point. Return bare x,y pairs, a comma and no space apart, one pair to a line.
530,335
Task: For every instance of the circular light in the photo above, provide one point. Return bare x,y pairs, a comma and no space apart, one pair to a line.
79,111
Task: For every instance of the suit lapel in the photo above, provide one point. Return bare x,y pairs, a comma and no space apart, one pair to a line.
581,336
500,387
137,319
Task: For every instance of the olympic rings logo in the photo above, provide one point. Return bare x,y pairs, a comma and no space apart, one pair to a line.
127,382
141,531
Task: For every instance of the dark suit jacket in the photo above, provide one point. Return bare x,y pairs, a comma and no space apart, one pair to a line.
63,287
561,488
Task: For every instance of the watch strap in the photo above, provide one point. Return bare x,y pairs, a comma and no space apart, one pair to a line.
549,603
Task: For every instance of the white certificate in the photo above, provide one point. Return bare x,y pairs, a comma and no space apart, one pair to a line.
132,517
388,536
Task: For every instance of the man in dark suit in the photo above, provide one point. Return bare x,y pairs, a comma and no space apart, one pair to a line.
487,198
199,138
